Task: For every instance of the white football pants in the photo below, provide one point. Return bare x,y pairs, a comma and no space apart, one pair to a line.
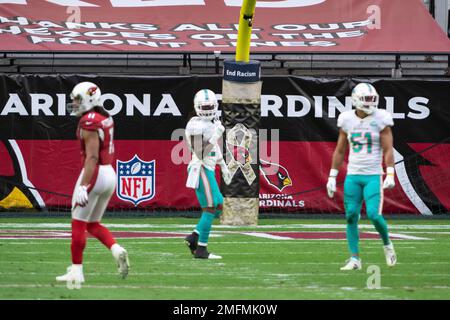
104,184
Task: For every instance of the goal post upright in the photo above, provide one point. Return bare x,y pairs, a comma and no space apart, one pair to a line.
241,113
245,30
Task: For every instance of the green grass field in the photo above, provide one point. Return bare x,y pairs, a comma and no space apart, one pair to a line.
255,264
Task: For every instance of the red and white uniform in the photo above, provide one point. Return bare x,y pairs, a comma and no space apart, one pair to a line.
93,121
103,182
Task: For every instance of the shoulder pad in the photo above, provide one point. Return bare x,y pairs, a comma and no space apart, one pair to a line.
342,119
385,118
194,127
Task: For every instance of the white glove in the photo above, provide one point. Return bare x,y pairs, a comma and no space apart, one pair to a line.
81,196
218,131
389,181
331,184
218,123
226,174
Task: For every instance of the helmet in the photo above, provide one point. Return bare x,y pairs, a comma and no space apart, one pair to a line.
85,96
205,104
365,97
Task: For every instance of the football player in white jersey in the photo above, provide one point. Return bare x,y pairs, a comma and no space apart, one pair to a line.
367,131
202,135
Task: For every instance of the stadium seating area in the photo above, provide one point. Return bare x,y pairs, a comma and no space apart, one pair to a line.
335,65
322,65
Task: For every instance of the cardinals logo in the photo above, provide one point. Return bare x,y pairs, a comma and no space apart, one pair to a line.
92,90
135,180
240,153
16,190
275,174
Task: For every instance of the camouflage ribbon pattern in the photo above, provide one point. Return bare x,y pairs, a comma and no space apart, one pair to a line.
240,151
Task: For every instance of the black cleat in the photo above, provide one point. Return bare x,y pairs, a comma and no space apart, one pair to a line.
202,253
191,241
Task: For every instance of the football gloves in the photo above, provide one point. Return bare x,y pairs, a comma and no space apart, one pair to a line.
389,181
226,174
331,184
81,195
218,131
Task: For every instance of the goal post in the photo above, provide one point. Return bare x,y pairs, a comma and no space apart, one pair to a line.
241,113
245,30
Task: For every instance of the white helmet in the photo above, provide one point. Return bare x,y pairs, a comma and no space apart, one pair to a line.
85,96
205,104
365,97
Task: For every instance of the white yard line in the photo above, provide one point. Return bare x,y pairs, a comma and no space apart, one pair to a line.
6,225
193,262
237,288
249,275
278,237
428,232
402,236
172,241
52,235
266,236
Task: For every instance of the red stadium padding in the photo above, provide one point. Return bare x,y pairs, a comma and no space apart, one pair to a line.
39,149
57,172
206,26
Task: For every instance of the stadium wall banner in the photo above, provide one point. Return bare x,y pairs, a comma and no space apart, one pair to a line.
206,26
40,159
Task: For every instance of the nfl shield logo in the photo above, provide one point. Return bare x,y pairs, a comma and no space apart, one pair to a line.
135,180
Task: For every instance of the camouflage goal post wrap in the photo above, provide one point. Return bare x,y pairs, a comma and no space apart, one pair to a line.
241,114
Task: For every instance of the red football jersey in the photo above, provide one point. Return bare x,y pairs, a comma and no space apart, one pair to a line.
104,126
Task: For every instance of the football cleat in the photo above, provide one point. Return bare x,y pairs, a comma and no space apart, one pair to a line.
123,264
352,264
202,253
389,253
191,241
74,277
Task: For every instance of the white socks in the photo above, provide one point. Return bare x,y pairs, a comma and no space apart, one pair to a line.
116,250
389,246
77,267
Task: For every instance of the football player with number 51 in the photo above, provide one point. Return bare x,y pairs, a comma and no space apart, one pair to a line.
96,182
368,132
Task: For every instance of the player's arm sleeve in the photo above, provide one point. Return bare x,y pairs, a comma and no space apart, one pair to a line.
386,120
194,136
341,122
196,145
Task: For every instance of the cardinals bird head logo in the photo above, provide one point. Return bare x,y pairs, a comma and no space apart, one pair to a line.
276,175
16,191
240,154
91,91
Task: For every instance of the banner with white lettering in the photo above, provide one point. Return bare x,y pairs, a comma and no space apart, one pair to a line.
41,160
207,26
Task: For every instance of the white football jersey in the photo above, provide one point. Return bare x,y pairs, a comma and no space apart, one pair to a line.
366,154
204,127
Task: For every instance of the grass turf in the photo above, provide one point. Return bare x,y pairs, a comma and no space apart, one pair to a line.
252,267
